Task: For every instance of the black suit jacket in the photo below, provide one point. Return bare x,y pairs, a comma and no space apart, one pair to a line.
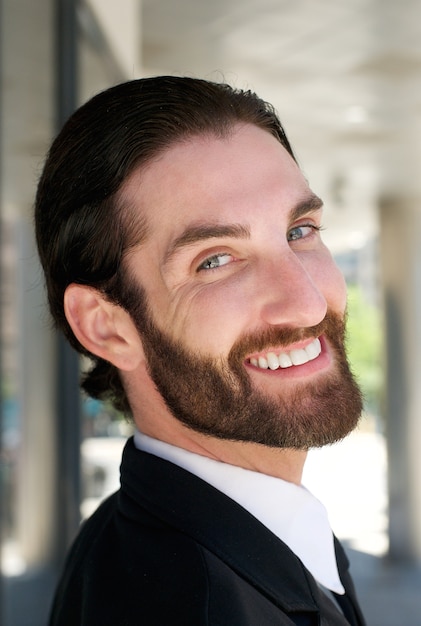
170,550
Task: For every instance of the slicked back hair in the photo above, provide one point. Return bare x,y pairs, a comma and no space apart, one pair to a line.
83,228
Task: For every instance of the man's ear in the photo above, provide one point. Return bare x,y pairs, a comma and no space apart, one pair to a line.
104,329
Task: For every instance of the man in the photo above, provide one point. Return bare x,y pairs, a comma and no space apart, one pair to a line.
182,252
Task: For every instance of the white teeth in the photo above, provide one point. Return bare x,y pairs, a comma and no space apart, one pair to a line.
298,357
313,349
272,361
287,359
284,360
263,363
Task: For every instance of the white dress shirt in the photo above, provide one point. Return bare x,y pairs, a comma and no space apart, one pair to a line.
290,511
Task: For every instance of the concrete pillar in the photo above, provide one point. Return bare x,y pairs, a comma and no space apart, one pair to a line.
27,109
400,219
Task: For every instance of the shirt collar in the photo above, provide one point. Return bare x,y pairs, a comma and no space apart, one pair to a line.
290,511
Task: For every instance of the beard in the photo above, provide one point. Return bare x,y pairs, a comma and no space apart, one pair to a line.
215,396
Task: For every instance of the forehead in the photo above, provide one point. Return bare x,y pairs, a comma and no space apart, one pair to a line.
214,179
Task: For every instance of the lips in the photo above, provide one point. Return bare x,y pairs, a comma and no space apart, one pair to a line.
274,361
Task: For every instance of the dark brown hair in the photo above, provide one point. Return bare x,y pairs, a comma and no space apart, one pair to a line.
82,227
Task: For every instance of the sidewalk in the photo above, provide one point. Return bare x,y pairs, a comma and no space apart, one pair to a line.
390,594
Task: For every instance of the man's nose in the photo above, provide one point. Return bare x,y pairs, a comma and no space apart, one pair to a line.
290,295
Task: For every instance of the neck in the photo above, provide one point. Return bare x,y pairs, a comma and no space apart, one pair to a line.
282,463
152,418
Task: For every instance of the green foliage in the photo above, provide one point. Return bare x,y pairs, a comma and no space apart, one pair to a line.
364,345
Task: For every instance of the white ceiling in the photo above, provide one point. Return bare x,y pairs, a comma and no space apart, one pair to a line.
344,75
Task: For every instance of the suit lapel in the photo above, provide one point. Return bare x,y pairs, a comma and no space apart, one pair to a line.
185,502
197,509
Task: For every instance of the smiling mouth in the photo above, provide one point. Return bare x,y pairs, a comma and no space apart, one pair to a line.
283,360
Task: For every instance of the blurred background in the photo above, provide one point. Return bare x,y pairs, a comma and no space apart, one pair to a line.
345,77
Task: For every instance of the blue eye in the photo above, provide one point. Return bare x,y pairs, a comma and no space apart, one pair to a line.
215,261
301,232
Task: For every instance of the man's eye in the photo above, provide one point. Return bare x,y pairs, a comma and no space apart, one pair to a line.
215,261
301,232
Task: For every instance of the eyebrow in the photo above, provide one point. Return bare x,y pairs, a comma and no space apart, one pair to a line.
311,204
203,231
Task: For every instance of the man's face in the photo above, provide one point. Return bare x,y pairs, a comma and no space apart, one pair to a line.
238,302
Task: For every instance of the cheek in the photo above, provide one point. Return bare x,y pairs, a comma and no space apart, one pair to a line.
213,321
334,287
327,277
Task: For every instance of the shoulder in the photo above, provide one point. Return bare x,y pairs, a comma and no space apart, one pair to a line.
119,569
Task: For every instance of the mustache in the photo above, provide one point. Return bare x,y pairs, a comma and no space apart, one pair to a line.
333,326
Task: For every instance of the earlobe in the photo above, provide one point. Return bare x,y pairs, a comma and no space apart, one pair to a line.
103,328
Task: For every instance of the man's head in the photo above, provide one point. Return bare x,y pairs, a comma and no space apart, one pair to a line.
83,228
179,203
